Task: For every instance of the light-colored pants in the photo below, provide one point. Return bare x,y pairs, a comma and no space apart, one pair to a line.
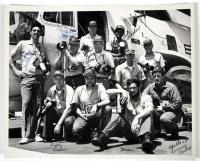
32,98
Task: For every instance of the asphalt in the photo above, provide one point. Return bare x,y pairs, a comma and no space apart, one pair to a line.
116,145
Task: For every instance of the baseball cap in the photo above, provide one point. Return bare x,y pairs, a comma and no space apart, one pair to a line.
147,41
73,40
98,38
89,72
158,69
92,23
58,72
129,52
119,27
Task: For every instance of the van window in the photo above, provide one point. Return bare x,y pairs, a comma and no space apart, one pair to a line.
12,18
171,42
64,18
67,18
51,17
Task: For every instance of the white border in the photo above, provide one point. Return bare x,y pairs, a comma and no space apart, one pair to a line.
194,83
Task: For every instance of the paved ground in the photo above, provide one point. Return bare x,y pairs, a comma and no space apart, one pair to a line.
117,145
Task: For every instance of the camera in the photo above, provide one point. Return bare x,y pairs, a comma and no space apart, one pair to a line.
39,62
85,48
48,102
62,45
147,67
104,69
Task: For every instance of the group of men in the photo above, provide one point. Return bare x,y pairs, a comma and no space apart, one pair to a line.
78,107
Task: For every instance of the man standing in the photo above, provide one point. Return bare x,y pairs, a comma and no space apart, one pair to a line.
167,103
87,40
150,60
135,121
94,112
127,70
35,65
104,65
118,46
71,60
58,101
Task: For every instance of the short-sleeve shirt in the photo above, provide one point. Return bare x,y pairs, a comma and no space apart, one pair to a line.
66,95
82,97
157,60
87,40
114,46
105,58
133,108
29,53
123,73
71,69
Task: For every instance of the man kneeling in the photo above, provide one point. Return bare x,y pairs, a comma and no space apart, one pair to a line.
57,102
135,121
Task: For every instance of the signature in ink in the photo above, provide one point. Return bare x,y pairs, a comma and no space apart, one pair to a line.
125,149
57,147
180,147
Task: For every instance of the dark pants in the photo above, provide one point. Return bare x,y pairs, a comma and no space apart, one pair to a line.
32,91
75,81
122,124
82,128
167,122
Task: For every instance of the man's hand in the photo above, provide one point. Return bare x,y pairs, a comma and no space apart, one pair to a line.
124,96
57,129
135,125
94,109
19,73
159,108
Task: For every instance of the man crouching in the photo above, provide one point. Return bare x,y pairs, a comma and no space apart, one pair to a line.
57,102
135,121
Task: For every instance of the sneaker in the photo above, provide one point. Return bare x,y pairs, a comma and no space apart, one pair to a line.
38,138
25,141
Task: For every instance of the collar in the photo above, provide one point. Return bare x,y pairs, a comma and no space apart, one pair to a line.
54,90
127,67
162,86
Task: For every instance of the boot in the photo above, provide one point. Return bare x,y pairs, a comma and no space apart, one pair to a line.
147,144
100,141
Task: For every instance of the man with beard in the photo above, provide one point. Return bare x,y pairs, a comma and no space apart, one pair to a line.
167,103
93,112
135,121
118,46
35,65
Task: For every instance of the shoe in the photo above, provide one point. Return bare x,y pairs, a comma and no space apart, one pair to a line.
25,141
174,135
95,133
147,144
38,138
46,140
100,141
163,135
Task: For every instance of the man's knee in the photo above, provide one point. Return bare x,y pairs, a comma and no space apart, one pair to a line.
69,121
167,117
79,125
108,109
